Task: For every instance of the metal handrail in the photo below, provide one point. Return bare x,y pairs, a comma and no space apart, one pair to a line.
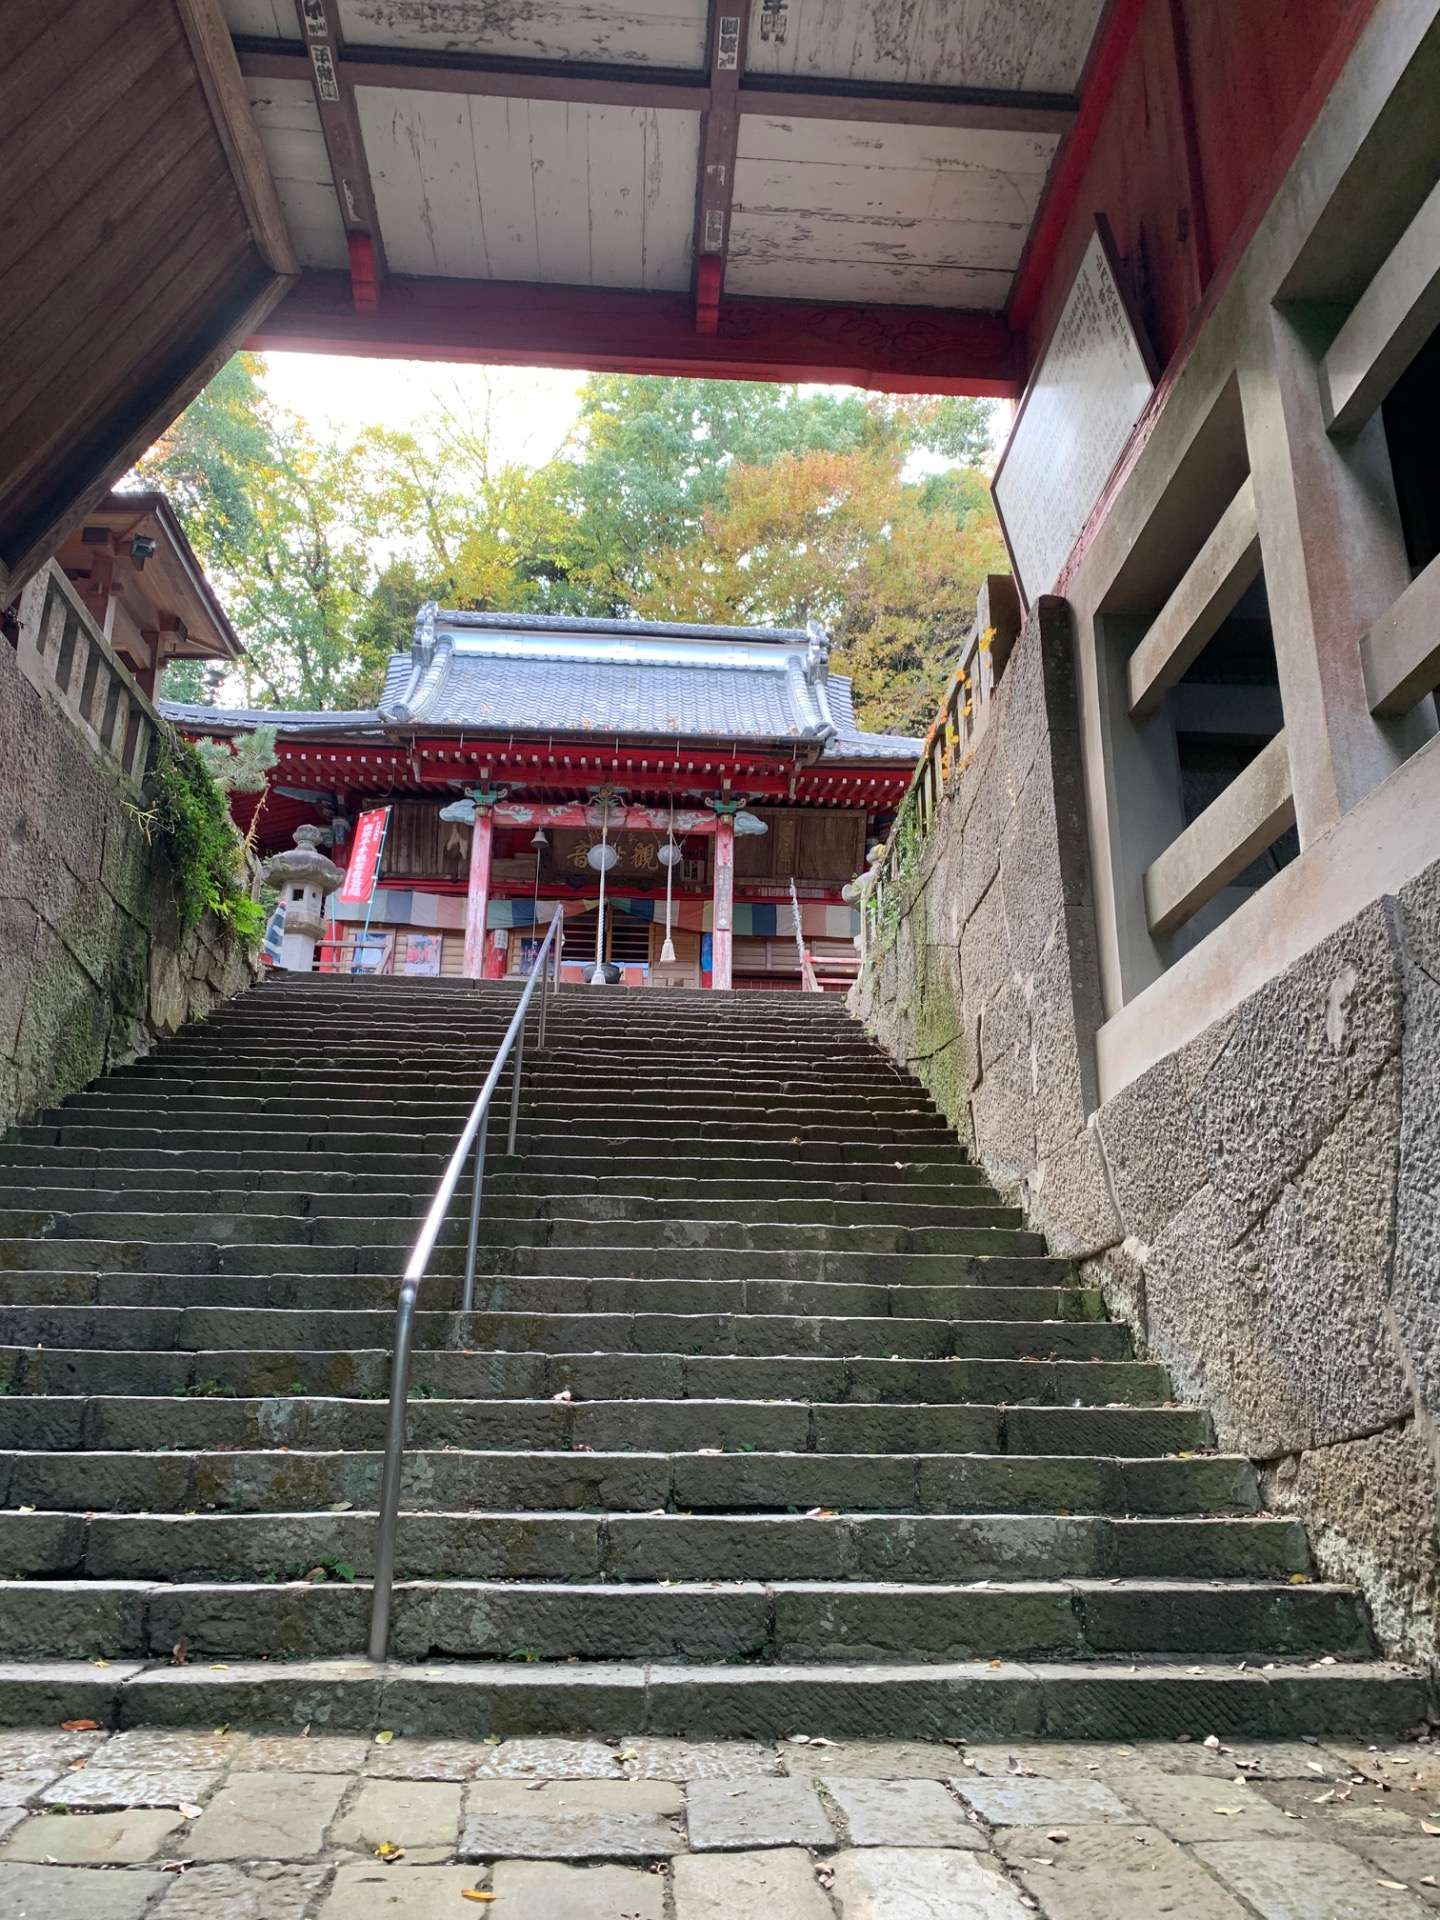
473,1134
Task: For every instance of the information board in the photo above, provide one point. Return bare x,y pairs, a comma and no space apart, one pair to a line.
1088,390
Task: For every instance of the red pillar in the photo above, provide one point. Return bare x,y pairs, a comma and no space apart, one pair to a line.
477,901
722,932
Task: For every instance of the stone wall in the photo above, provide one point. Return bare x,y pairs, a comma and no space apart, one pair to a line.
1263,1205
94,964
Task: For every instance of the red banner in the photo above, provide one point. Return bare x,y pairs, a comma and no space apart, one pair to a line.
364,865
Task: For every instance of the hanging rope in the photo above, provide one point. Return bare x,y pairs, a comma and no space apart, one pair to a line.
667,952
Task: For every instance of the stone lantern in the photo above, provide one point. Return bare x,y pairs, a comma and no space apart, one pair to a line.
303,876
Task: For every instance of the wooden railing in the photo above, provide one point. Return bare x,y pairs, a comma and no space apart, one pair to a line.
962,719
61,650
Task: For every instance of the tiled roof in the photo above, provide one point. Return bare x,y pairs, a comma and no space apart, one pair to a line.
507,674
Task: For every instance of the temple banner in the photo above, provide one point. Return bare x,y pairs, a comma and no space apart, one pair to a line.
364,867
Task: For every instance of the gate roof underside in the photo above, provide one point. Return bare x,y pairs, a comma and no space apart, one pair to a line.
838,188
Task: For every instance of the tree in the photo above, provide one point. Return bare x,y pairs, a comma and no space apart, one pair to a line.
286,526
648,457
891,567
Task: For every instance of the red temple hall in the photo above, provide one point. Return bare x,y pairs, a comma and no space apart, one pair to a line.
693,798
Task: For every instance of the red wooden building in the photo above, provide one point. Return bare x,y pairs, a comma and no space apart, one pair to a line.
524,759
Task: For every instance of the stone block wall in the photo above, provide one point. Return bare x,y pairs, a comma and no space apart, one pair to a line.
1263,1205
94,964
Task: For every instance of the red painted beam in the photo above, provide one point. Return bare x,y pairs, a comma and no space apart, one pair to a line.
600,329
1102,71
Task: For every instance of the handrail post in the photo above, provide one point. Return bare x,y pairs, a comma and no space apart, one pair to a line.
519,1059
474,1135
477,1184
390,1479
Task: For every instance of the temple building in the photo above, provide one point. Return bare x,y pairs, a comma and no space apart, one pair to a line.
685,793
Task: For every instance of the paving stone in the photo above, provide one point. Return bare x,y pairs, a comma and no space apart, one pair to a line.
1306,1880
158,1750
32,1750
95,1839
305,1753
101,1787
575,1796
28,1789
757,1813
10,1818
549,1892
551,1759
410,1813
1406,1766
422,1759
1189,1809
1063,1759
873,1759
369,1890
1339,1811
1115,1873
901,1813
647,1759
1413,1861
1031,1803
267,1816
778,1884
260,1892
569,1836
893,1883
75,1893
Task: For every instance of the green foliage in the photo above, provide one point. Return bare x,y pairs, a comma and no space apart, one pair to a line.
239,765
190,816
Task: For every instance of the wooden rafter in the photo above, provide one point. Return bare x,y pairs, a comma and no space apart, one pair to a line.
894,349
620,86
334,91
729,35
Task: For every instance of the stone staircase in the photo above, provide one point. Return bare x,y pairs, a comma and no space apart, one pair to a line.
772,1417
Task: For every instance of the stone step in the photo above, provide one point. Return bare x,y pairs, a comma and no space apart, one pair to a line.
980,1230
968,1700
857,1146
282,1479
576,1545
262,1329
424,1102
601,1262
723,1173
561,1293
970,1208
365,1372
440,1077
116,1422
698,1622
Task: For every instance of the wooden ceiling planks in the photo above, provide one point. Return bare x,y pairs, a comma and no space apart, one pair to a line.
482,188
1036,46
662,33
289,124
835,210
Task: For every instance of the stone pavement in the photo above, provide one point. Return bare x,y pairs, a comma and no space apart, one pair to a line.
230,1825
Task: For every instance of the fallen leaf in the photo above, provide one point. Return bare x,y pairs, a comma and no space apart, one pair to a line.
1212,1741
1427,1827
79,1726
1057,1836
1315,1767
1393,1886
477,1893
384,1739
189,1809
1227,1809
180,1652
219,1666
1018,1767
564,1394
388,1851
99,1663
1299,1580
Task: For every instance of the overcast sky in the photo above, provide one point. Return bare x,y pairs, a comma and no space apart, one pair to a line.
533,406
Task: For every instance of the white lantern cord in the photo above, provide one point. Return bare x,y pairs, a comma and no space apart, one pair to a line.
667,951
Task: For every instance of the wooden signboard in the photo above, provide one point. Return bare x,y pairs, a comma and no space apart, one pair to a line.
1089,388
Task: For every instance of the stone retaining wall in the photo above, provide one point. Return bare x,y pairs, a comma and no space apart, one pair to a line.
1263,1206
93,961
